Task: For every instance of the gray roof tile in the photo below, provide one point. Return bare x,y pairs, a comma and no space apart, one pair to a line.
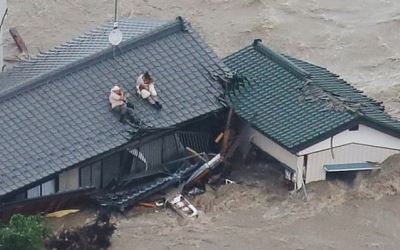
63,116
87,44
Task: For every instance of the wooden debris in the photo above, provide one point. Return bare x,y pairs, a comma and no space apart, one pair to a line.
183,207
18,40
147,204
233,146
227,133
89,237
219,137
62,213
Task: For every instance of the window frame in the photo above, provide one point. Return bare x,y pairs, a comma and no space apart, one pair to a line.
91,166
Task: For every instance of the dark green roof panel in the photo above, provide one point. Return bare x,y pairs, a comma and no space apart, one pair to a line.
274,101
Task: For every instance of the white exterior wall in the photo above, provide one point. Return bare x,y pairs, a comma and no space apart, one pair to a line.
281,154
350,153
68,180
364,135
274,149
3,6
364,144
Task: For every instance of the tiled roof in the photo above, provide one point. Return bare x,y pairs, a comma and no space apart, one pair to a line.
296,103
85,45
62,117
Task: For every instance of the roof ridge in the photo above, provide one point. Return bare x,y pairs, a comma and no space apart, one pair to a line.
180,24
81,37
337,77
281,60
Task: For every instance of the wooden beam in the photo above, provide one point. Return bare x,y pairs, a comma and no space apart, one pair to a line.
227,131
18,40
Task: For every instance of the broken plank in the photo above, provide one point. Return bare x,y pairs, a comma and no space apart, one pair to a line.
18,40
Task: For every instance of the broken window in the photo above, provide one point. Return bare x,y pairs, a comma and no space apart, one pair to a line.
111,168
153,154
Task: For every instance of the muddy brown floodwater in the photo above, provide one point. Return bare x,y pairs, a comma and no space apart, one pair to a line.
256,214
359,39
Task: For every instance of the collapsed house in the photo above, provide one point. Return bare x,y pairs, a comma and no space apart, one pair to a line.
56,126
306,117
59,136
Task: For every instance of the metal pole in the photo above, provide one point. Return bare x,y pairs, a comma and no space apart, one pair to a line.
3,14
115,10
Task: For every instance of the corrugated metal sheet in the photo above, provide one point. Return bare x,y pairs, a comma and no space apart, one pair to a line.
362,166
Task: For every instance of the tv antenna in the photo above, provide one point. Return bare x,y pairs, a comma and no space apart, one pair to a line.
115,37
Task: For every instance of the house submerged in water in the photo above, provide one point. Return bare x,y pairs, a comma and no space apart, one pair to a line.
306,117
57,131
56,126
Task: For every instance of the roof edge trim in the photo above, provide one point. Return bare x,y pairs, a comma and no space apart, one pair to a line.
281,60
180,24
380,126
328,134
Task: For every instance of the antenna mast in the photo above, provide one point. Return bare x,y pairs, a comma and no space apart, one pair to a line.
115,37
3,14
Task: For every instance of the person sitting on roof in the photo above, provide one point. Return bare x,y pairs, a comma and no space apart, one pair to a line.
146,89
119,104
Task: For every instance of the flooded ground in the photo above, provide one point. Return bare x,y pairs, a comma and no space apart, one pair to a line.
361,224
357,39
259,214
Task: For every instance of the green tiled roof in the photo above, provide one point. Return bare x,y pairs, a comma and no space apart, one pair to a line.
296,103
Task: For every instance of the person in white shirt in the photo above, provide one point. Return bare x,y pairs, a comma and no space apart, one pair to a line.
146,89
119,104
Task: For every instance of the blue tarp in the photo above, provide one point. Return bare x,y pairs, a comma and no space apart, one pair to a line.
350,167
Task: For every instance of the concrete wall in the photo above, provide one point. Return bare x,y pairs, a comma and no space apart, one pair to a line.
3,6
68,180
350,153
364,135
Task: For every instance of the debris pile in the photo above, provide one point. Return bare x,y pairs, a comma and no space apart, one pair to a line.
127,196
385,181
312,92
183,206
91,237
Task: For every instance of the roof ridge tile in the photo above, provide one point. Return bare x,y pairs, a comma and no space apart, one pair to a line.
162,31
281,60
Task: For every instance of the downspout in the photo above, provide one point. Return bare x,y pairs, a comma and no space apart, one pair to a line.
332,154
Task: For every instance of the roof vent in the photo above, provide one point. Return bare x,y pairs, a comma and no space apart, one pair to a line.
184,23
257,41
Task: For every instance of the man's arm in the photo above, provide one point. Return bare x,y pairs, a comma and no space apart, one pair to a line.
116,97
